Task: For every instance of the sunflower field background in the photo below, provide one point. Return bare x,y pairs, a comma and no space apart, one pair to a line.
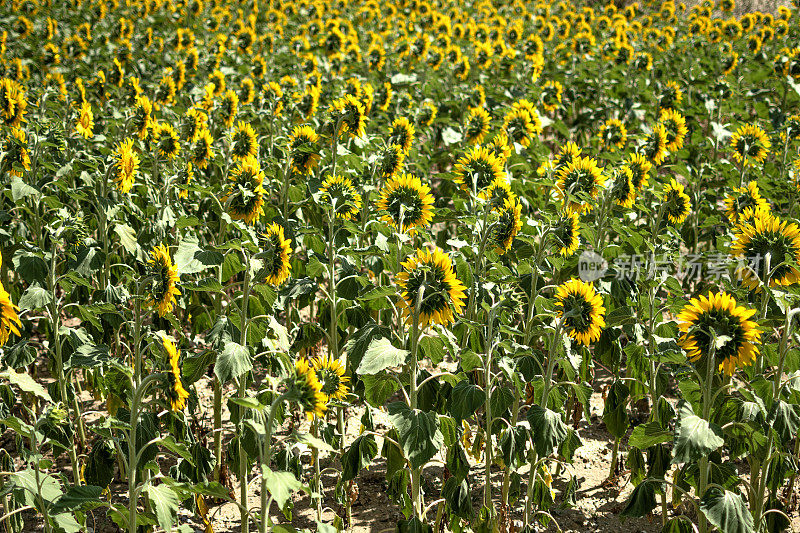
317,265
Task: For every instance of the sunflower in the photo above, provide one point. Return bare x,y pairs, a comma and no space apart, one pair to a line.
566,155
477,169
390,160
500,146
477,125
339,193
401,133
578,183
429,276
9,319
229,108
622,190
427,113
551,95
202,150
245,193
655,145
142,119
17,154
244,142
581,310
520,126
743,198
126,163
675,125
613,134
348,112
272,97
566,231
507,225
407,203
85,121
498,192
719,313
275,250
303,149
640,167
165,279
330,373
677,204
671,95
176,393
12,102
766,234
166,140
307,102
306,390
750,143
185,177
194,120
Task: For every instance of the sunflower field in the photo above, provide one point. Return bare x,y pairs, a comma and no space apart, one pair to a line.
268,262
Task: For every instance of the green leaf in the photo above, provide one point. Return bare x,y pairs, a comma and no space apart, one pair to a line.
20,189
203,285
78,497
615,412
727,511
359,455
418,433
643,498
378,389
312,441
785,420
232,362
547,429
281,486
30,266
466,398
648,434
694,437
35,298
185,257
165,504
127,238
26,383
379,356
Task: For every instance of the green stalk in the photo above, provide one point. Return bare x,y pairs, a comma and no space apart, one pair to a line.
707,399
245,519
416,492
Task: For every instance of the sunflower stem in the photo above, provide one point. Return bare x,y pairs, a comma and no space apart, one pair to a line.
707,400
416,493
245,519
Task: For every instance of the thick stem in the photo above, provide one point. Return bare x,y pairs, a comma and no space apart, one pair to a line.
416,492
243,465
707,399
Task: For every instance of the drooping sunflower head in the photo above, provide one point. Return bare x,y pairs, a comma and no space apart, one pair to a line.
164,280
85,123
243,141
330,373
429,277
566,233
12,102
126,163
142,119
349,113
245,192
520,127
275,251
303,149
581,310
677,204
655,145
17,158
565,156
613,134
551,96
477,169
477,125
390,160
675,125
166,140
202,149
501,146
640,168
497,193
185,177
622,189
750,144
401,133
671,95
763,242
406,202
743,198
706,321
229,108
306,390
175,392
194,120
9,317
507,225
579,183
338,192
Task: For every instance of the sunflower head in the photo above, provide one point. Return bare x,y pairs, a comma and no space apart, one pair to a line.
202,149
9,317
655,145
613,134
176,394
245,192
477,169
622,189
275,251
507,225
401,133
428,278
551,94
126,164
581,310
166,140
566,233
477,125
671,95
390,160
765,241
407,203
520,125
339,193
306,389
742,199
677,204
750,144
12,103
185,177
85,123
330,374
640,168
164,280
675,126
244,142
579,183
349,113
708,322
566,154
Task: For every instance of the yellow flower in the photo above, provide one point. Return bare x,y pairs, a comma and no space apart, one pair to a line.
507,225
275,250
477,125
303,149
566,232
245,192
750,143
16,148
675,126
401,133
429,276
126,162
165,279
767,235
677,204
330,374
85,121
581,310
719,313
9,319
339,193
743,198
166,140
176,393
579,183
407,203
477,169
244,142
308,390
